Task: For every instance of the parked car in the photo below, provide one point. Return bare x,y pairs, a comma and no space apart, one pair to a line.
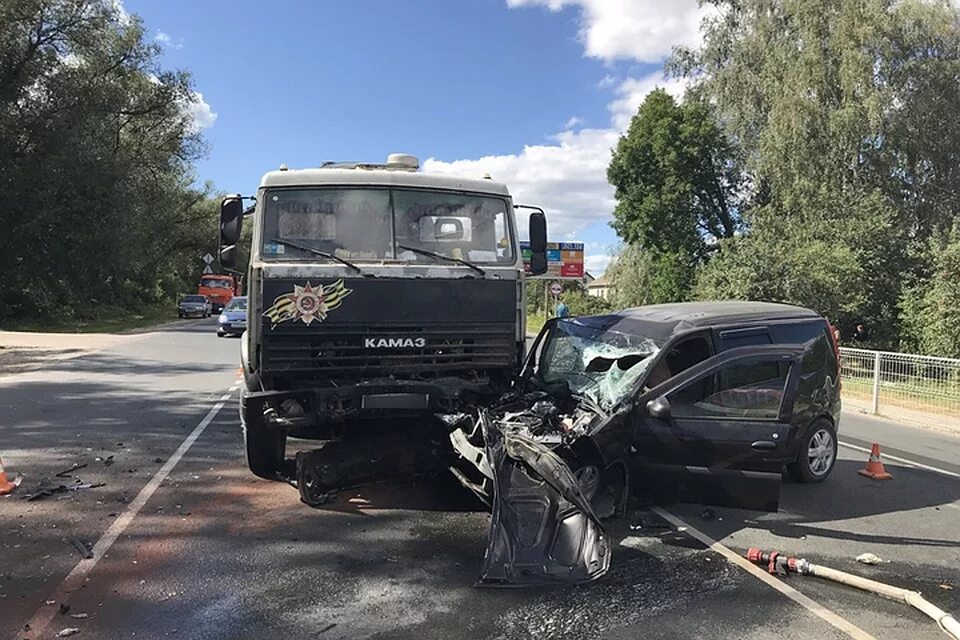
194,306
233,318
702,402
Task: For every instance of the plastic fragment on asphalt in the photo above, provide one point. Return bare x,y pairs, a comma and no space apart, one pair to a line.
69,631
80,616
946,587
708,515
869,558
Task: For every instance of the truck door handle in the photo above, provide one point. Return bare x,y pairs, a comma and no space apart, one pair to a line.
764,445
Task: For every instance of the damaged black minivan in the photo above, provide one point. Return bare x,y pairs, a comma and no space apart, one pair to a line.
702,402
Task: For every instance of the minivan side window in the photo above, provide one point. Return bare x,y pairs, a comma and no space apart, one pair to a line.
747,337
750,389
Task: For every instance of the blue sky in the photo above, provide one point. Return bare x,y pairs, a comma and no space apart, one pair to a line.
534,92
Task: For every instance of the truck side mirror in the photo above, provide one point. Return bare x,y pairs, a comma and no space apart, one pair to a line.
659,408
538,243
231,223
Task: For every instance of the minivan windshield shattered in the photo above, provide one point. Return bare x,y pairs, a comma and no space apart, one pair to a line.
595,361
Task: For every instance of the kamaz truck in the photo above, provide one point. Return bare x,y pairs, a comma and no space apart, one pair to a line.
377,295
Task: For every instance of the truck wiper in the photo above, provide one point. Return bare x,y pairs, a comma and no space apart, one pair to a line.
318,252
443,257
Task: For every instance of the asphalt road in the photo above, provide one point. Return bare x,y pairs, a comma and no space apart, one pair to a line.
190,545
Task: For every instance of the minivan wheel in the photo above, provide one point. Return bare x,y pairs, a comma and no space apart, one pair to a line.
817,455
266,448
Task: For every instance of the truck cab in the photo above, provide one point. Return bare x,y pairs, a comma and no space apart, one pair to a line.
219,290
375,290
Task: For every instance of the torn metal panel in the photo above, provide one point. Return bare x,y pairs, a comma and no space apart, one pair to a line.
543,529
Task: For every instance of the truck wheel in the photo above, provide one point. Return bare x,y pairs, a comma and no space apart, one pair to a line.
817,454
266,448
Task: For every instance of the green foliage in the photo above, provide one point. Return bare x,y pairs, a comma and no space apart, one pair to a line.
931,309
581,304
676,180
646,276
96,145
841,113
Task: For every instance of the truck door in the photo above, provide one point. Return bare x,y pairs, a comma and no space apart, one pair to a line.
717,433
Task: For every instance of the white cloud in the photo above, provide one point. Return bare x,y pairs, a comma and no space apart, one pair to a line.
642,30
200,112
122,16
632,92
597,263
608,80
568,179
164,39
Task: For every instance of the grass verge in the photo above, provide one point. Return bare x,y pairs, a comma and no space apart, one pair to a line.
535,322
101,320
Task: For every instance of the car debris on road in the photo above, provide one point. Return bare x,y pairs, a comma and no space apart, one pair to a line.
46,492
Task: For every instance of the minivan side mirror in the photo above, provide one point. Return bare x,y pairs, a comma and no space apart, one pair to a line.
659,408
231,224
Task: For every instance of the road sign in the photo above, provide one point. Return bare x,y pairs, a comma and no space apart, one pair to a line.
564,260
556,289
207,258
207,270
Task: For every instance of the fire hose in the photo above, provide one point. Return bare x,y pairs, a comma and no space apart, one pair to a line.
782,565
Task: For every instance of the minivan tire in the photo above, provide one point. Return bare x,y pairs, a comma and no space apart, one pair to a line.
266,448
817,453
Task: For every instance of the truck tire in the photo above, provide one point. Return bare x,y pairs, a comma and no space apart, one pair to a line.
817,454
266,448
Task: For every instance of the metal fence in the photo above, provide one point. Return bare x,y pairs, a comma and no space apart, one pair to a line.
884,379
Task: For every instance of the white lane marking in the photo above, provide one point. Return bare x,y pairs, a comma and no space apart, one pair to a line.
76,577
911,463
812,606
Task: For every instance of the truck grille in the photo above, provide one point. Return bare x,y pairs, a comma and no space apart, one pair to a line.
341,351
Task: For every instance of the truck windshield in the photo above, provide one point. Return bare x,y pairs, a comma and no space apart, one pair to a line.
595,361
372,224
215,283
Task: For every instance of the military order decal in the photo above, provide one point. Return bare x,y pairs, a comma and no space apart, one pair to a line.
307,303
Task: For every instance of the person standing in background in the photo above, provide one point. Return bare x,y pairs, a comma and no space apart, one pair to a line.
562,309
860,334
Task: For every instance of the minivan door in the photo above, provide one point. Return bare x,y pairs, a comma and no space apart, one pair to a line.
718,433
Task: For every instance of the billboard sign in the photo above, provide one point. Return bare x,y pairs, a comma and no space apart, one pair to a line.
564,260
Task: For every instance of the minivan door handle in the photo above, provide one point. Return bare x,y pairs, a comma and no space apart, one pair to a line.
764,445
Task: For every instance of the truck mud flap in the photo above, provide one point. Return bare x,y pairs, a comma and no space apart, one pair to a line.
543,530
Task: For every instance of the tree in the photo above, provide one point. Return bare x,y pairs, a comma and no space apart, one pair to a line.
646,276
931,308
675,178
96,144
834,107
677,186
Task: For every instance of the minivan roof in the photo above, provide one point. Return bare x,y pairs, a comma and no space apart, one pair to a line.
660,322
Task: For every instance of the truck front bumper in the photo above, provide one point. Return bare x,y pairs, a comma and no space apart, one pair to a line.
325,405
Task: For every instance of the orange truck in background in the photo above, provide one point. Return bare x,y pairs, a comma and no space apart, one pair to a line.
219,289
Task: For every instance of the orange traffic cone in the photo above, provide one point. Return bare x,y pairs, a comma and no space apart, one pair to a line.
5,485
874,468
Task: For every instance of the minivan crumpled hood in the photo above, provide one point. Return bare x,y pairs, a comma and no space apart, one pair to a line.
543,529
